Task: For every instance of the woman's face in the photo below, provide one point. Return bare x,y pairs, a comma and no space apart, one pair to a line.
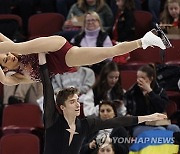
91,2
91,22
8,61
144,76
174,10
106,150
106,112
112,78
120,4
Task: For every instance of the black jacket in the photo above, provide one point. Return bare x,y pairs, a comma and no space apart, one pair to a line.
126,26
117,133
138,104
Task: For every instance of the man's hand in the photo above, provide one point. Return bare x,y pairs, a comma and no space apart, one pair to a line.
152,117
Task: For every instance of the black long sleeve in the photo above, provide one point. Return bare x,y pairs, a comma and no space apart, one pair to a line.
98,124
159,101
49,102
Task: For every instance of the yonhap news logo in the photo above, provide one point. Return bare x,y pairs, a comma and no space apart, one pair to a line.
143,140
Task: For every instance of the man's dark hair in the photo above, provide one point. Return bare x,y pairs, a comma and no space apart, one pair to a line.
63,95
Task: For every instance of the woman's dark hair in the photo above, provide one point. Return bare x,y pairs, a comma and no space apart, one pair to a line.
63,95
82,4
110,103
129,5
101,87
150,70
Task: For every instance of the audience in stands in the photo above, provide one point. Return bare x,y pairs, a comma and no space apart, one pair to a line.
76,14
83,79
124,25
99,6
147,97
93,35
106,98
107,87
28,93
170,19
107,110
153,6
63,6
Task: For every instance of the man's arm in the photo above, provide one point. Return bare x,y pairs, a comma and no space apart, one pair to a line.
97,124
50,112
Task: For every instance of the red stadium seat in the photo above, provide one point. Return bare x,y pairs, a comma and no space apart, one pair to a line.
173,54
150,55
171,108
128,78
143,22
11,26
11,17
44,24
21,118
19,144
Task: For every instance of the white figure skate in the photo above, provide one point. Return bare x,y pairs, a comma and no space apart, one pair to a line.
150,39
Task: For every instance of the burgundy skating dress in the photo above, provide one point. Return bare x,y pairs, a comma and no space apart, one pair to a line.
55,61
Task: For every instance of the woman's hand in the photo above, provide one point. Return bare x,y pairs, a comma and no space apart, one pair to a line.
144,85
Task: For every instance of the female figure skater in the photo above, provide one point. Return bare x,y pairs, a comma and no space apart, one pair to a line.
64,132
23,60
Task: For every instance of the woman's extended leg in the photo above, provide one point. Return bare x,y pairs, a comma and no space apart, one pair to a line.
79,56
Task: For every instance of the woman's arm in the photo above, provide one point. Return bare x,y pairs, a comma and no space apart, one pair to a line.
14,79
4,38
38,45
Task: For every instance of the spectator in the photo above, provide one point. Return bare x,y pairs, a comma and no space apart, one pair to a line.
124,26
108,149
77,12
107,110
147,97
108,87
83,79
99,6
62,6
170,19
93,35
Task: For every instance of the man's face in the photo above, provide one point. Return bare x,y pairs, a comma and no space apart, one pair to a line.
72,106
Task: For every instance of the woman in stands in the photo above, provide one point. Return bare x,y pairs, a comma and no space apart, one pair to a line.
61,56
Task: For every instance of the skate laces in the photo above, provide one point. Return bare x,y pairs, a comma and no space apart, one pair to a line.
163,36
